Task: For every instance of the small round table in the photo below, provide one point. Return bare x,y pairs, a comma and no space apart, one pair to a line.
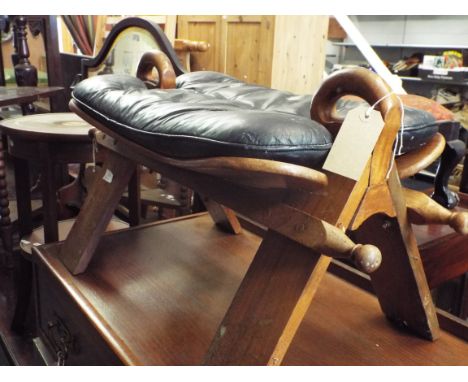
49,140
22,95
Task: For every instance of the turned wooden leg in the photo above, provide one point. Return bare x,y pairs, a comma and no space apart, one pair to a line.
424,210
96,212
400,283
443,259
452,155
25,73
269,305
5,221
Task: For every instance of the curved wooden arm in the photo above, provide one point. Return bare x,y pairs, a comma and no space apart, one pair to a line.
370,87
156,59
356,81
190,45
417,160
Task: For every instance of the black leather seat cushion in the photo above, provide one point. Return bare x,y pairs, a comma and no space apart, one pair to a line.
420,125
222,86
212,114
188,124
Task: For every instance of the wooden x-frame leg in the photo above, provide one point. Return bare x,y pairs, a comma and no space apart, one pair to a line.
285,274
280,285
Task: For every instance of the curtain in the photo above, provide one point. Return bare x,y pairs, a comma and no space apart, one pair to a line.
83,31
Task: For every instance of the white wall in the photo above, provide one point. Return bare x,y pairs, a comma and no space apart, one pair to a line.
414,30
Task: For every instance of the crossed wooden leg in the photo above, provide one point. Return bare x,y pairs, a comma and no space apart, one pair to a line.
269,305
286,271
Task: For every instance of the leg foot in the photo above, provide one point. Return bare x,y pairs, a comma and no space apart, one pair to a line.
452,155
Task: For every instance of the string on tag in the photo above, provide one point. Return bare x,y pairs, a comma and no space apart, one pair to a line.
399,138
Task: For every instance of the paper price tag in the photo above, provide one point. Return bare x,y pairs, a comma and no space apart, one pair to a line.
108,176
354,143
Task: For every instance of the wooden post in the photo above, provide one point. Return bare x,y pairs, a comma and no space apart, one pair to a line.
25,73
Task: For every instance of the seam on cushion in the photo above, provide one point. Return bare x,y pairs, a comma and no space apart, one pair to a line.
420,126
317,146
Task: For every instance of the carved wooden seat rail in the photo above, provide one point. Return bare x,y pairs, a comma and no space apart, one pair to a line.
307,213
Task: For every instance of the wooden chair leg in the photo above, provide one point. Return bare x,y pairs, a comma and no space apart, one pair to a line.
23,284
224,217
400,282
269,305
6,230
23,267
452,155
49,195
134,198
96,212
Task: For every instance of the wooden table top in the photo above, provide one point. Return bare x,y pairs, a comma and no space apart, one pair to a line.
157,295
25,94
48,125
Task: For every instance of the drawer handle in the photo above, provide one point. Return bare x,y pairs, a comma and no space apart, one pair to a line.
60,339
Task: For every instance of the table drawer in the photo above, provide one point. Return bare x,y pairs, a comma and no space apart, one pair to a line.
63,327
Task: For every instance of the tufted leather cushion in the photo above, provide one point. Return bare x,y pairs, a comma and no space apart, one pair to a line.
188,124
212,114
222,86
420,125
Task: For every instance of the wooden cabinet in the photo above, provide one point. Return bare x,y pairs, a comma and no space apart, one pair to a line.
202,28
283,52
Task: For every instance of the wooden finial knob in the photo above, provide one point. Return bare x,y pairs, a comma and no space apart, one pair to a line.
92,133
367,258
459,222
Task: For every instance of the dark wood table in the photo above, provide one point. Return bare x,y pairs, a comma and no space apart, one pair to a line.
15,96
155,295
25,94
49,140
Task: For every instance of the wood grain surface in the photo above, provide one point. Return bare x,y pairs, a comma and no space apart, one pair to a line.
157,295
